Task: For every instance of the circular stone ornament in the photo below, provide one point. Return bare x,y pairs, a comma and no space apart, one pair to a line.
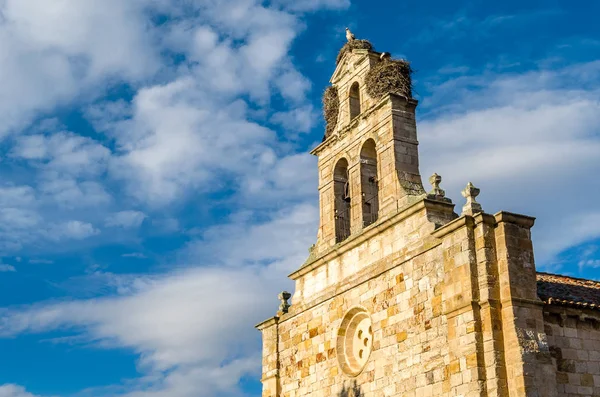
354,341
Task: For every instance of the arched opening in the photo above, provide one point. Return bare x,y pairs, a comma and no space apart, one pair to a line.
341,191
368,183
354,100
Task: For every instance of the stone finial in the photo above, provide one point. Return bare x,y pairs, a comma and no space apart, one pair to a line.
436,192
472,207
283,297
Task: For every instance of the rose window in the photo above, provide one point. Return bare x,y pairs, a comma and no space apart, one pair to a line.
354,341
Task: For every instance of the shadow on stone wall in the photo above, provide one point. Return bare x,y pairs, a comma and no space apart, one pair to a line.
351,391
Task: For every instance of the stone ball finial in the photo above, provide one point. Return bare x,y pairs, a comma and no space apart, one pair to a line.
284,296
436,192
349,35
472,207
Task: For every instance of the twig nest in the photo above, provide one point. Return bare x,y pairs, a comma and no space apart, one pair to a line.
331,106
389,76
353,45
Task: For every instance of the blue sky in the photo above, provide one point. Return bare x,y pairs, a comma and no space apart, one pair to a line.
156,188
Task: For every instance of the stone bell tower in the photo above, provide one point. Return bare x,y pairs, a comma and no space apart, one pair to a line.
401,296
368,161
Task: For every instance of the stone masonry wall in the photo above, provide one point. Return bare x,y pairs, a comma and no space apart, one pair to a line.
575,346
410,351
399,277
385,243
451,305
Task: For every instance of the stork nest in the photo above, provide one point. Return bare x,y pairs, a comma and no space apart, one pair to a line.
353,45
331,106
390,76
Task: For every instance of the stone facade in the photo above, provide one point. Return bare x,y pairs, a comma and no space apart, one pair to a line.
421,302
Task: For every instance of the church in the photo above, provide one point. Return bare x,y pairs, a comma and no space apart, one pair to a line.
404,295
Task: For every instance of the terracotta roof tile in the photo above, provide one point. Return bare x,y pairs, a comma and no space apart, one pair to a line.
564,290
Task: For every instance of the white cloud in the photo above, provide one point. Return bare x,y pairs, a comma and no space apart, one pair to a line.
125,219
24,221
17,196
68,193
589,258
292,85
173,138
186,325
287,179
300,119
195,129
19,218
76,230
65,166
7,268
528,141
52,51
589,263
64,153
9,390
310,5
289,233
190,132
178,140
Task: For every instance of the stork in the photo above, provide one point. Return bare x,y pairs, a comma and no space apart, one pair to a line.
349,35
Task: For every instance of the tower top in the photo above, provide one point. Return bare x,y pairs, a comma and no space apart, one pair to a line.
377,73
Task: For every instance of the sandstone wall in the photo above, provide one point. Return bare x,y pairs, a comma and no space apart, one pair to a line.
410,350
452,305
399,277
575,346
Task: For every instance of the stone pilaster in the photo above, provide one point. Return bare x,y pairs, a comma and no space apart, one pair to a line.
466,368
489,305
528,363
270,361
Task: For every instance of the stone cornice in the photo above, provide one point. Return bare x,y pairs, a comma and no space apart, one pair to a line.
482,217
517,219
267,323
472,221
460,222
369,232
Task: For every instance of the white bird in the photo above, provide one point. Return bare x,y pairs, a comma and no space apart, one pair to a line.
349,35
384,55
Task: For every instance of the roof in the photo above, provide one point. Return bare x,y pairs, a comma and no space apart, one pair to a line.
569,291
